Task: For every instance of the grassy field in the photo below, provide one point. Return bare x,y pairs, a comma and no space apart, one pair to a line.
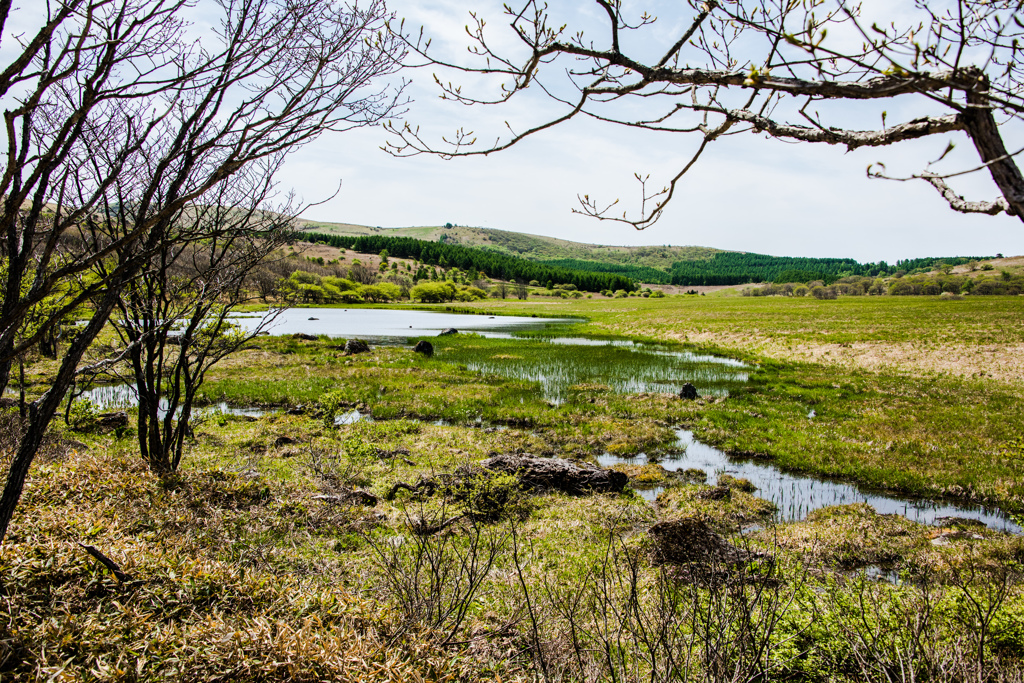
255,562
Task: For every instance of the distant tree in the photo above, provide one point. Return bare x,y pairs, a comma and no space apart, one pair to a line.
362,273
520,290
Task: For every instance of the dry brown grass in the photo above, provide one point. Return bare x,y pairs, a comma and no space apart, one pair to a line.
216,590
1004,362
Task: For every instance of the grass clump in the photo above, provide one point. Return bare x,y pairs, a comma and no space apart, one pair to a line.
851,536
721,507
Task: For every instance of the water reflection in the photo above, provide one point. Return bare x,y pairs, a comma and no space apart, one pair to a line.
796,495
394,326
624,368
111,397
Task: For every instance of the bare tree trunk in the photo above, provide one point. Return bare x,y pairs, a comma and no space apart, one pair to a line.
42,410
984,131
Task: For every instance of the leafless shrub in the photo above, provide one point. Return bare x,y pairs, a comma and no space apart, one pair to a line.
335,469
624,621
935,625
433,578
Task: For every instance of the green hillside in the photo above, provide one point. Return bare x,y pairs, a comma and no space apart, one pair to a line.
681,266
532,247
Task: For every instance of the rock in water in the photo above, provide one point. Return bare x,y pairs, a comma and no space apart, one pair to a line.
354,346
554,473
424,347
689,392
450,330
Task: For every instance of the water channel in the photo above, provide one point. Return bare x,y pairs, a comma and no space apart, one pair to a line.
637,367
796,495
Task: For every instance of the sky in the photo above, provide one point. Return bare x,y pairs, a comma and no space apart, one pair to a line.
747,192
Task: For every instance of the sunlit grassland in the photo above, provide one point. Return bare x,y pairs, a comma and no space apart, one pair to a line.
895,319
925,434
243,570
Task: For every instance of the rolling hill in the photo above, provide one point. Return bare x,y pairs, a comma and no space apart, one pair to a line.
676,265
533,247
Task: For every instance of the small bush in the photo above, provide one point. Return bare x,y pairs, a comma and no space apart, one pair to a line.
492,497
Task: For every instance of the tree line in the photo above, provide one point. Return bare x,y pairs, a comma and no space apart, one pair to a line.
634,272
735,268
494,264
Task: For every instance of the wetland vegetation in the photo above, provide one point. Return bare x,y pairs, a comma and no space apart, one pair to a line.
283,549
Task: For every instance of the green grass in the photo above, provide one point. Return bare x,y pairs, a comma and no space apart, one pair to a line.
240,571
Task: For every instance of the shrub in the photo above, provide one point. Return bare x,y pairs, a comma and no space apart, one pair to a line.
492,497
82,416
824,293
433,292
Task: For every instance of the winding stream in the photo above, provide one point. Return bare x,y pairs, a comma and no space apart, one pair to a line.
796,495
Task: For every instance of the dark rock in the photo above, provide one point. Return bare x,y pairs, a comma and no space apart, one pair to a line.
112,420
354,346
424,347
296,410
450,330
312,318
302,336
554,473
689,392
686,540
284,441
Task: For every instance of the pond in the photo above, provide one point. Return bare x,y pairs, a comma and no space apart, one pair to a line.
558,365
623,366
394,326
796,495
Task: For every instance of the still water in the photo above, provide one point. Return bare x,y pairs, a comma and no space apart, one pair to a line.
623,366
796,495
394,326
